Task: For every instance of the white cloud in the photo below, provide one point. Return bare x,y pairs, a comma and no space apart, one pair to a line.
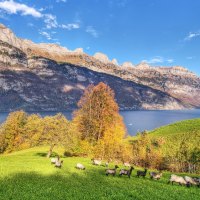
192,35
170,60
13,7
70,26
154,60
158,59
50,21
45,34
92,31
48,35
42,9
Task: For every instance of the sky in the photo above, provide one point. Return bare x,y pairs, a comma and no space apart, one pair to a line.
159,32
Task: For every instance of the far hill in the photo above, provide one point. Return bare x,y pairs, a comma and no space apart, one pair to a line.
182,127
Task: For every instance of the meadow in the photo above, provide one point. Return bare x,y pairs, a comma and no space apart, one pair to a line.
179,128
28,175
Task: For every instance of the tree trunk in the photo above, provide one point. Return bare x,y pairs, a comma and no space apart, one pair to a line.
50,151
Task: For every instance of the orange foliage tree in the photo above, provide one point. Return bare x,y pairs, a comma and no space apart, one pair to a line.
98,119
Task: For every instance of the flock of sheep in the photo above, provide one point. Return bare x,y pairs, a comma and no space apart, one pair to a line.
186,180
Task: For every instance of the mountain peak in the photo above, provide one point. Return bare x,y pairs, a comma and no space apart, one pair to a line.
102,57
143,65
114,61
128,65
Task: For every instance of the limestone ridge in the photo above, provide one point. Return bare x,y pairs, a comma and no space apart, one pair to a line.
51,77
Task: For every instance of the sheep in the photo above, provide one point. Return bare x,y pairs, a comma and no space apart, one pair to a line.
59,164
197,181
126,172
191,181
141,173
155,175
96,162
112,171
80,166
178,179
54,160
126,164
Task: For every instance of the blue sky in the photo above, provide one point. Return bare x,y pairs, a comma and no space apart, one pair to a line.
160,32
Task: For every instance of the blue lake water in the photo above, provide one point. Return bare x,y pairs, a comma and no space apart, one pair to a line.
140,120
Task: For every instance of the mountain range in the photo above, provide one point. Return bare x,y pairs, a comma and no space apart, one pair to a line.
48,77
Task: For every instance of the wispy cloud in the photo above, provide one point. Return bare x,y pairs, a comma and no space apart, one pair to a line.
170,60
158,60
13,7
92,31
154,60
192,35
46,35
50,21
70,26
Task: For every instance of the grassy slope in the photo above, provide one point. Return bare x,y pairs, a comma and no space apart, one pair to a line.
186,126
28,175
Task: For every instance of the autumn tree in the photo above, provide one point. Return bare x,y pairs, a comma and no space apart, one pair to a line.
147,152
53,131
57,130
98,119
12,130
33,130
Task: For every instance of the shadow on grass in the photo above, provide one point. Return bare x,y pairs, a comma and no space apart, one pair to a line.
88,184
43,154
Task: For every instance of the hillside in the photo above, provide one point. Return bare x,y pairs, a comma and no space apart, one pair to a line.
28,175
182,127
52,78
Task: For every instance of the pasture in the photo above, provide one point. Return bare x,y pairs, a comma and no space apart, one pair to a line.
28,175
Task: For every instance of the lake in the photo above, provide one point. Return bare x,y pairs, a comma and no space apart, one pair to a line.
140,120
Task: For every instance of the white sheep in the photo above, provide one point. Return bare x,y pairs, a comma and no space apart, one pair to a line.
178,179
54,160
59,164
96,162
190,180
197,180
80,166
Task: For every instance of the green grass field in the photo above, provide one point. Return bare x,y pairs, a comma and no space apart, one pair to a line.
182,127
29,175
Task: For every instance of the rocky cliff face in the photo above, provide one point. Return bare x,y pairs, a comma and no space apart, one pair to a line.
50,77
